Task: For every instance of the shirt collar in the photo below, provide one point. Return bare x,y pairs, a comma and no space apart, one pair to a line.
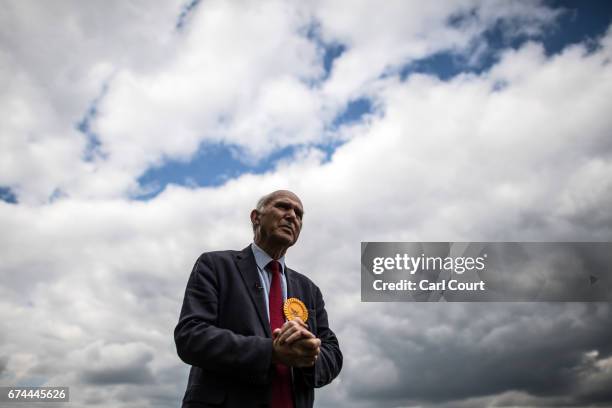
263,259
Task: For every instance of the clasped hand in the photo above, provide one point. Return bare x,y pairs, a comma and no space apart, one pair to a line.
294,345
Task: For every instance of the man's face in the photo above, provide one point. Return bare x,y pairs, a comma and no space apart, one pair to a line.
280,221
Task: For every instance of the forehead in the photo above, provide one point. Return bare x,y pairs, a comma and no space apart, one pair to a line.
286,196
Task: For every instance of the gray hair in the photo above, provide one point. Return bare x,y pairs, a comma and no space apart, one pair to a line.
262,202
265,200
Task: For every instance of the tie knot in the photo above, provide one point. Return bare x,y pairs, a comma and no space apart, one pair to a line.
274,266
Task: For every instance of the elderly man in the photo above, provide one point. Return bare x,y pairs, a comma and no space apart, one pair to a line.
254,330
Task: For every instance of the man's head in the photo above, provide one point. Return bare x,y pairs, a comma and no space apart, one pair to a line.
277,220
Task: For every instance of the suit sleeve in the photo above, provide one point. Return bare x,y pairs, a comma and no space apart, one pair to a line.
328,365
200,343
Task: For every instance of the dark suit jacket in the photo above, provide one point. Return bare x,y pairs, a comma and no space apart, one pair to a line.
224,333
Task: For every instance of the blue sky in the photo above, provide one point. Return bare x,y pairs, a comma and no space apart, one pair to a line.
214,164
127,152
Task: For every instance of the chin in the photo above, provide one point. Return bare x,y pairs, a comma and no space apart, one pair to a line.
285,240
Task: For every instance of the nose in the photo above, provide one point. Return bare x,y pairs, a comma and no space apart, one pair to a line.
291,214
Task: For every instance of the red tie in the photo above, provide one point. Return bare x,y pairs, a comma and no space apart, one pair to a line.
281,382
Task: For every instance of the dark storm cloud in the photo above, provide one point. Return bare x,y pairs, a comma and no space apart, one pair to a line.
136,374
3,364
92,282
459,351
107,364
510,271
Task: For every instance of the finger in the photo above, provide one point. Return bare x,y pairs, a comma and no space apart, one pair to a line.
286,334
306,334
282,339
310,353
314,351
299,321
284,327
293,333
304,345
275,336
314,343
290,325
298,336
295,336
284,331
309,343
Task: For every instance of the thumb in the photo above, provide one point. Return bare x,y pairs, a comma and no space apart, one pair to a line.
275,333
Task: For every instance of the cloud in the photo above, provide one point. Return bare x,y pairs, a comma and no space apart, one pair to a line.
92,281
471,354
117,364
415,31
251,76
54,61
3,362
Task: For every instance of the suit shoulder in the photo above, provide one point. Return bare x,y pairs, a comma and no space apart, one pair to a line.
303,279
218,259
230,253
218,264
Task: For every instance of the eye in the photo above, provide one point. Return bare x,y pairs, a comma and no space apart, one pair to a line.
288,206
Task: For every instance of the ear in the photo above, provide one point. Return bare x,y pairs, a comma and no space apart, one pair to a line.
255,217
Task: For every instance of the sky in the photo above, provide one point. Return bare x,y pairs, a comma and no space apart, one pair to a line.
137,136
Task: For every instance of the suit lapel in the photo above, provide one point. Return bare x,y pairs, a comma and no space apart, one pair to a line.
248,269
294,289
292,285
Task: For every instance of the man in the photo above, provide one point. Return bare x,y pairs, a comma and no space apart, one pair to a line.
232,328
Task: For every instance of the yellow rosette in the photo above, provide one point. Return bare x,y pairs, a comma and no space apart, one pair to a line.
293,308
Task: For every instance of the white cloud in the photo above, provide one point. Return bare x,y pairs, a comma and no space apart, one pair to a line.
242,75
54,59
97,274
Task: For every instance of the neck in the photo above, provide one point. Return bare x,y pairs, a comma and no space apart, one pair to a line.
275,251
